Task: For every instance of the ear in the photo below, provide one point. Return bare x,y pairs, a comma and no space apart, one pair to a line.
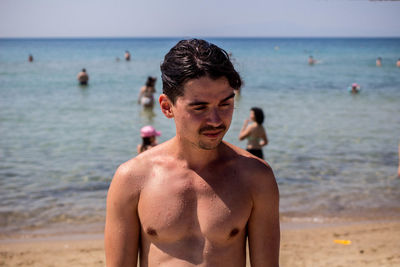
166,106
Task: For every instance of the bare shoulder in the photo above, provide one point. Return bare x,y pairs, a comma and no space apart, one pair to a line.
131,175
255,172
134,173
128,180
252,127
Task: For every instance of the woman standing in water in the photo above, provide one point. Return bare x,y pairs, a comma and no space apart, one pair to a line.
255,132
146,98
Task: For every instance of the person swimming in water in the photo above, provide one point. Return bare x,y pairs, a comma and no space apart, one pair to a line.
355,88
311,60
146,98
255,132
379,62
83,77
127,56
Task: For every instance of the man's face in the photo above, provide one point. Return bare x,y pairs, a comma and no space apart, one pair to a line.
204,113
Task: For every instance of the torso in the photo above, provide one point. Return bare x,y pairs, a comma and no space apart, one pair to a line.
147,98
83,77
253,140
193,218
148,91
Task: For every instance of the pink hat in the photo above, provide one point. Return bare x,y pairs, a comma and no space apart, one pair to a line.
149,131
355,85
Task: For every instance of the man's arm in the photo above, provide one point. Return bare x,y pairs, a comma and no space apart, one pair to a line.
122,230
263,226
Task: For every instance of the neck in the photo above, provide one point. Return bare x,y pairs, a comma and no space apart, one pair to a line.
196,158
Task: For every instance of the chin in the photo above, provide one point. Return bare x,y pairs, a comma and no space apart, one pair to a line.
209,146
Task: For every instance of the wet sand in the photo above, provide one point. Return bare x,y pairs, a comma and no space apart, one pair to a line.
372,244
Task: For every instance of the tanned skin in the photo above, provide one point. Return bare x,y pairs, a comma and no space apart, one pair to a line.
193,200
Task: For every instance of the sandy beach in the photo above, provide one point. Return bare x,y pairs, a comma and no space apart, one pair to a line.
372,244
334,154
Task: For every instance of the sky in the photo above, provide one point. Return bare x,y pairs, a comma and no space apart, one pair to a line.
200,18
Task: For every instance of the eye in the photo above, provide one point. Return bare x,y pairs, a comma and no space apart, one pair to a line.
225,104
199,108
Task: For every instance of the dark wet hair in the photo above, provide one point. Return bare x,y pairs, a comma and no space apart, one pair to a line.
151,81
146,143
193,59
83,70
258,115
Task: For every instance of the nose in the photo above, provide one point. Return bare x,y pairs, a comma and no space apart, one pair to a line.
214,118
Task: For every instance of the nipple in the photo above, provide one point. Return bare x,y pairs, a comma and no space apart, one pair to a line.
234,232
151,231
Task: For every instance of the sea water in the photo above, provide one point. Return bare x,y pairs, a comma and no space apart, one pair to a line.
334,154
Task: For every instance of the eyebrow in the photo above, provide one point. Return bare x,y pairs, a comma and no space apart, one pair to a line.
198,103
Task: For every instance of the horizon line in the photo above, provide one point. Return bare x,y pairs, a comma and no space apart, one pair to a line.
187,37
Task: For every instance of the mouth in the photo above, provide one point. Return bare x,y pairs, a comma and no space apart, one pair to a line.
212,134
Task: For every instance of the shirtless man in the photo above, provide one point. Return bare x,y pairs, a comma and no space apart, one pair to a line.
83,77
127,56
311,60
193,200
379,62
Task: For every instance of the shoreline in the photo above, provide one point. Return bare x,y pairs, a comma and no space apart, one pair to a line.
373,243
95,231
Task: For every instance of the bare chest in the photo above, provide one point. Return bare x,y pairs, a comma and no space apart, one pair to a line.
174,207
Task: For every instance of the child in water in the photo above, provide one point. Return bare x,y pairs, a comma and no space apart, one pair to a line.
355,88
148,134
